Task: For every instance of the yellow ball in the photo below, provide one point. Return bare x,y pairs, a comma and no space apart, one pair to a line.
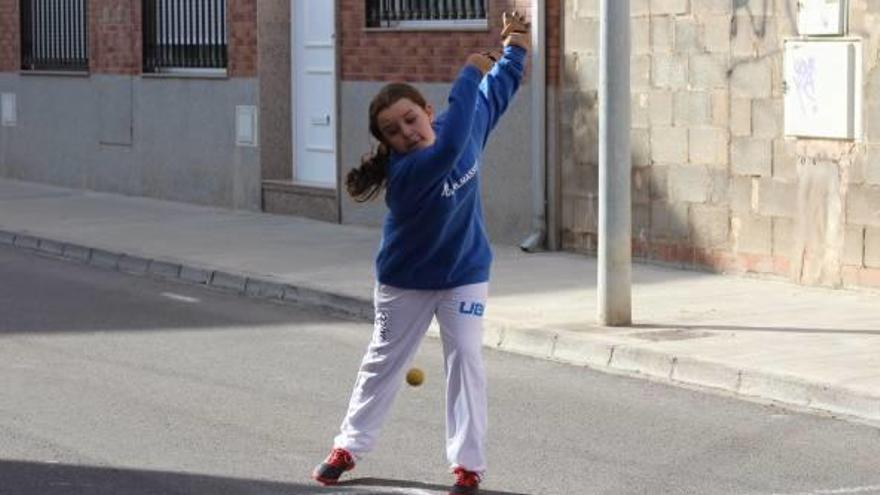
415,377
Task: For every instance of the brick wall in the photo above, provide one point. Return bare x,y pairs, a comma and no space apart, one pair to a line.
242,38
115,36
715,182
427,56
554,40
115,39
9,36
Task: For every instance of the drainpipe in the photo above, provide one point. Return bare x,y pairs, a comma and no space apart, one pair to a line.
537,238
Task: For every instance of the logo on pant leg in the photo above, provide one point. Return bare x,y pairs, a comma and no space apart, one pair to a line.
473,308
382,325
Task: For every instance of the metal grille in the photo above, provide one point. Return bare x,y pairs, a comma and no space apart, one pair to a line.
54,35
184,34
386,13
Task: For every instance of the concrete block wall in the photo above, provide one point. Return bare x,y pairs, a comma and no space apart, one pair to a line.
715,183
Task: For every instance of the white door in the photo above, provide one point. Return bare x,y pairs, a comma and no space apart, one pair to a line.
314,91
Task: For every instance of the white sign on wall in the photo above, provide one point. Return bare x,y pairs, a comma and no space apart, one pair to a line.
822,17
246,125
8,110
823,89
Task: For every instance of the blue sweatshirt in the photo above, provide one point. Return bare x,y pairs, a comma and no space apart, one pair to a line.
434,235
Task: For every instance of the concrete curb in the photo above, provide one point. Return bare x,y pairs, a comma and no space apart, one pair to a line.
167,269
598,353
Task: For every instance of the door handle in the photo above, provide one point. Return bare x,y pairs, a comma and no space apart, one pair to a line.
321,119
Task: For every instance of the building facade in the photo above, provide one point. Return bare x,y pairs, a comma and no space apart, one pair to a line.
747,156
737,165
90,112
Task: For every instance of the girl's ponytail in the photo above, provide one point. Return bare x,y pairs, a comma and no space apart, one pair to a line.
365,182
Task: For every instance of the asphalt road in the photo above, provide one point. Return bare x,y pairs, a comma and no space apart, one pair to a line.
116,384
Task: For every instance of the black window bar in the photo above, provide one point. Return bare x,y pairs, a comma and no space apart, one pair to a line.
189,34
387,13
54,35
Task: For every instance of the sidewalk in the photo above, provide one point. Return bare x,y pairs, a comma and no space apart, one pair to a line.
810,347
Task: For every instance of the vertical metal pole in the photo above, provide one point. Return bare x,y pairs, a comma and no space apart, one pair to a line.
190,29
537,239
212,34
148,35
203,34
84,24
161,49
54,38
224,37
26,36
67,19
37,34
178,33
41,33
615,162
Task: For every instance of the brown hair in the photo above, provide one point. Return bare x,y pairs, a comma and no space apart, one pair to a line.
366,181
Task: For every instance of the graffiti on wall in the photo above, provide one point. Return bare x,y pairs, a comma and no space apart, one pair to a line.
754,16
757,21
757,17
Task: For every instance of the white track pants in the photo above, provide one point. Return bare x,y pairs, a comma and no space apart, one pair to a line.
402,318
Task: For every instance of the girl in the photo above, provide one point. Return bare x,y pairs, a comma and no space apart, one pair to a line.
434,256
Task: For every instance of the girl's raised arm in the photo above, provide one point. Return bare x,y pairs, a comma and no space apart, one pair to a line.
435,161
501,83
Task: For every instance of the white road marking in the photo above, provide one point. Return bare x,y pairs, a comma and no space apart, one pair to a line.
836,491
178,297
386,489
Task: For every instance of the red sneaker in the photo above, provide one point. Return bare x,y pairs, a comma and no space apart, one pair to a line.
329,471
466,482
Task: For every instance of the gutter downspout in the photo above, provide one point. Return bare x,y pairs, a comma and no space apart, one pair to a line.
537,238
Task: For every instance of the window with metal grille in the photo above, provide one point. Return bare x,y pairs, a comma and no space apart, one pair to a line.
184,34
426,14
54,35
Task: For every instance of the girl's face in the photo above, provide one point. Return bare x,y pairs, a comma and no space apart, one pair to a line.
406,126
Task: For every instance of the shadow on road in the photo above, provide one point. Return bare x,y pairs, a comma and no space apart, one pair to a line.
37,478
42,294
388,483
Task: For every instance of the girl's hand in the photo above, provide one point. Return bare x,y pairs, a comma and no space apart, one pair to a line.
515,30
481,61
493,55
